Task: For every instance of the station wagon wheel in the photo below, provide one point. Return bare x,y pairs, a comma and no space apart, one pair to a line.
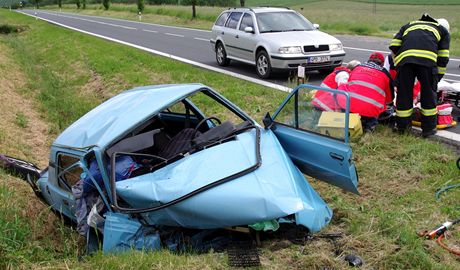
221,55
263,66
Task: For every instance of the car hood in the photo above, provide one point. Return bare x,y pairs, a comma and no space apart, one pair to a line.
300,38
276,189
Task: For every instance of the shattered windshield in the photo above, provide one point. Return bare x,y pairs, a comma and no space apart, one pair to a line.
282,22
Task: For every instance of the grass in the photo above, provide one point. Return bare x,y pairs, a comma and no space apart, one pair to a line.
67,73
352,17
21,120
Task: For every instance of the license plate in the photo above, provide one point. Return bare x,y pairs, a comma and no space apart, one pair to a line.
318,59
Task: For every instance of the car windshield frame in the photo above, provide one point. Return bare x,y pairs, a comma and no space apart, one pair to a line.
282,21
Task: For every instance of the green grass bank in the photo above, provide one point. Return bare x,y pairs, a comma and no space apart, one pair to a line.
65,74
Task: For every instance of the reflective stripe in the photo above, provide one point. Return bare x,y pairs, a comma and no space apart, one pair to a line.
322,105
405,113
428,112
365,99
443,53
441,70
369,85
395,42
424,27
416,53
434,23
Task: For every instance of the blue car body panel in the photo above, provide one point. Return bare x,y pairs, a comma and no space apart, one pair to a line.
321,157
274,190
113,118
328,159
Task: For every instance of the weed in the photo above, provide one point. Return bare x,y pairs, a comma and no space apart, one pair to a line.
21,120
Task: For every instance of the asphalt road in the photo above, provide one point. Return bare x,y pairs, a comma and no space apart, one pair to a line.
193,46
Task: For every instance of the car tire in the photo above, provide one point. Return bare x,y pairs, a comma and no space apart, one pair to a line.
326,71
221,55
263,65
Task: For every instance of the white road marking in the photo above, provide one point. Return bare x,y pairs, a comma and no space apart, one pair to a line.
184,60
127,27
150,31
175,35
93,21
122,20
202,39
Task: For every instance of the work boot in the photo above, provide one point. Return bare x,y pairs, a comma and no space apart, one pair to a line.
428,133
401,131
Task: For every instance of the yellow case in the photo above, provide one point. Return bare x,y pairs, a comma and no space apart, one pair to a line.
333,124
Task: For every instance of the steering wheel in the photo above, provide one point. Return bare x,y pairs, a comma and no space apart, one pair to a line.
195,131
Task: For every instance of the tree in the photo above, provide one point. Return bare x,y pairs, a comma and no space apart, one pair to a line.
242,3
36,4
77,2
84,4
140,5
106,4
60,3
193,9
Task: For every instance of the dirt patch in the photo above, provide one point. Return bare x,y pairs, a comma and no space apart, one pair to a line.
24,134
26,139
94,86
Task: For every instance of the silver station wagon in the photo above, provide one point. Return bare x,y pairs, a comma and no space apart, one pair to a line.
273,38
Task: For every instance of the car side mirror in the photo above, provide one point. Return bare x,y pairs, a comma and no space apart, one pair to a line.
249,29
268,121
316,26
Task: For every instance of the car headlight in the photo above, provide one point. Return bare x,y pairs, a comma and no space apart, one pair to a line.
294,49
335,47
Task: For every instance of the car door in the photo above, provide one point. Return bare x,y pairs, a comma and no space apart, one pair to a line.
67,174
230,34
247,40
317,141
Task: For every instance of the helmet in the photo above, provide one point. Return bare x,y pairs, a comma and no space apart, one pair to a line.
352,64
443,22
377,58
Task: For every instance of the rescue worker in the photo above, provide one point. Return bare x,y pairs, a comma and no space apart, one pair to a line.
421,50
370,88
325,101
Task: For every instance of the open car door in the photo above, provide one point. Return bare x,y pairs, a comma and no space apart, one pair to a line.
315,136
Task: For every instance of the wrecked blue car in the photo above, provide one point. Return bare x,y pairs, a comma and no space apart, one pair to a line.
184,156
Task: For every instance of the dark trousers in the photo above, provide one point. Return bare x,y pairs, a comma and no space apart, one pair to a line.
428,79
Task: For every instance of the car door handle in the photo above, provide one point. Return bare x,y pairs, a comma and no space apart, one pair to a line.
336,156
222,33
65,202
237,36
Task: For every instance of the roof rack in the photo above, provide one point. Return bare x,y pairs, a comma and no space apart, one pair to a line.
276,7
240,8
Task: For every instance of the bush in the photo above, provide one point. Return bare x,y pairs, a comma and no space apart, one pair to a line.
7,29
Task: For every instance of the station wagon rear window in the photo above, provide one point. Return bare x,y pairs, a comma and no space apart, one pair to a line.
233,20
221,20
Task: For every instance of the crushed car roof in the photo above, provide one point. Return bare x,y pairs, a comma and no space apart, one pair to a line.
113,118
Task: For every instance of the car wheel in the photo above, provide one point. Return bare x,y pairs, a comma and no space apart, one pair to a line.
221,55
263,66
